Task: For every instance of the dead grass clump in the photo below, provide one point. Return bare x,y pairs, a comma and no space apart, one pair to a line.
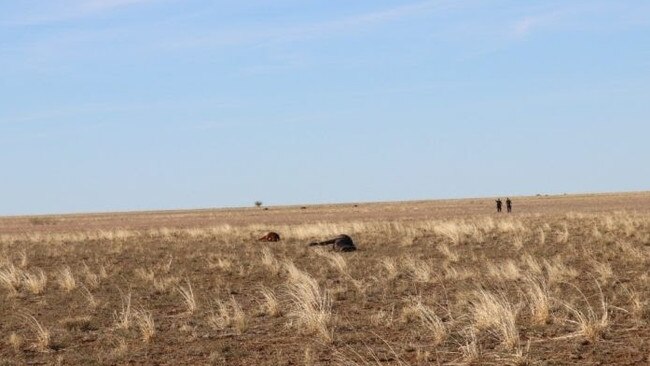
382,318
632,253
225,315
470,350
66,280
562,236
147,275
144,321
595,232
221,263
505,271
604,271
311,306
22,258
188,297
419,270
534,267
451,255
42,340
35,282
541,236
518,241
91,279
591,326
337,261
10,278
509,226
270,262
431,322
220,318
123,318
165,284
455,274
495,312
539,301
15,341
455,231
557,271
390,266
166,265
78,323
638,306
119,349
239,320
271,305
90,298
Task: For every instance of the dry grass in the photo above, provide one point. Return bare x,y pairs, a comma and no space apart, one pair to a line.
188,297
35,282
66,279
144,321
15,341
239,319
424,288
228,315
90,298
470,349
539,301
220,318
10,278
420,270
589,324
270,262
431,323
495,312
311,307
124,316
390,266
42,334
270,305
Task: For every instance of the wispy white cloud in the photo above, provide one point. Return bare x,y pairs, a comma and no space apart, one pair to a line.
57,12
317,29
526,25
581,17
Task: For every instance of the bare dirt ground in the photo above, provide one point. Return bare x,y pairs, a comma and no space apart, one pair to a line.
561,281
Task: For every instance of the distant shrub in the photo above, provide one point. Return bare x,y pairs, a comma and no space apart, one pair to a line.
258,203
42,221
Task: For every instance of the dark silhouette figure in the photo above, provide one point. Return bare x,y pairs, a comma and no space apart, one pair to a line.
499,205
270,236
508,205
342,243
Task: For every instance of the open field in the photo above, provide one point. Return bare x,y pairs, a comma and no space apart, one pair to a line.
562,281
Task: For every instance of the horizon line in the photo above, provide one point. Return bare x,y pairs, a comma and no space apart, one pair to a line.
252,207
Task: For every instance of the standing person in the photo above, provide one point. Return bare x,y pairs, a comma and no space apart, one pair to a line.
499,204
509,205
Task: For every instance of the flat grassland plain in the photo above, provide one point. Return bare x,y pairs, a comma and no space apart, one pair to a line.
562,281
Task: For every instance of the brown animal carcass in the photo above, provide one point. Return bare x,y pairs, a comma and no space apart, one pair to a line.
270,237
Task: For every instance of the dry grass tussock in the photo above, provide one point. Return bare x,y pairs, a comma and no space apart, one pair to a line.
144,321
311,306
228,315
494,312
187,294
589,324
42,334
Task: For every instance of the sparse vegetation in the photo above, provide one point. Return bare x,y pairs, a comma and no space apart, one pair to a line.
426,287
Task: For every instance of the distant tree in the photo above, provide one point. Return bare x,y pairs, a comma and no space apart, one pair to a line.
258,203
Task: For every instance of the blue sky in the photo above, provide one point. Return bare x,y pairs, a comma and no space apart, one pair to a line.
158,104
